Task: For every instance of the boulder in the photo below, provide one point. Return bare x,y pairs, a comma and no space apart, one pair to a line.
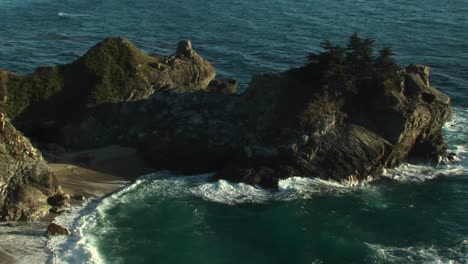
57,230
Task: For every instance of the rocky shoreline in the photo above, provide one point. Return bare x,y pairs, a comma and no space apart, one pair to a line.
81,181
341,118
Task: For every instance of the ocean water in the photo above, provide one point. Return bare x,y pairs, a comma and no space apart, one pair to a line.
422,217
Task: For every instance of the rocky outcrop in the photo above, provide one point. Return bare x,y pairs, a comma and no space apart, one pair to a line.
113,71
282,127
26,182
350,136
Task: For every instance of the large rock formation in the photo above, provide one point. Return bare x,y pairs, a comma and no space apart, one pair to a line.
351,135
341,121
282,127
26,182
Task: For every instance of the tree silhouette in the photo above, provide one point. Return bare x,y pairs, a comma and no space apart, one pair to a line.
354,64
360,55
385,62
332,61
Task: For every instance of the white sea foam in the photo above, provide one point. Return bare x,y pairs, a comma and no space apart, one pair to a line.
293,188
80,247
420,254
25,242
63,14
420,172
231,193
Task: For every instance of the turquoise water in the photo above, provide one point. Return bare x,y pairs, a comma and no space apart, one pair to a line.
162,219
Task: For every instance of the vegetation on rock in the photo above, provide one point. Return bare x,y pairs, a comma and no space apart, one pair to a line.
113,71
351,64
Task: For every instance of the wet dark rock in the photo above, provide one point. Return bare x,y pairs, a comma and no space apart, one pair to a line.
57,230
59,199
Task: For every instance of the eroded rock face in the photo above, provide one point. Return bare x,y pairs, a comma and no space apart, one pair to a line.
26,182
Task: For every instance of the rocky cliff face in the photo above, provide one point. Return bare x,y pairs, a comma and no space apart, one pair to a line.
26,182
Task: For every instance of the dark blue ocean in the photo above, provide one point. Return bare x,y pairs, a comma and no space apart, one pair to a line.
420,218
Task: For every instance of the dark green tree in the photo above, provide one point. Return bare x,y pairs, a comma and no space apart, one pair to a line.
359,55
384,64
351,68
385,58
331,62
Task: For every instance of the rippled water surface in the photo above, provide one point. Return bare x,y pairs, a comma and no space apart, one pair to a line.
421,218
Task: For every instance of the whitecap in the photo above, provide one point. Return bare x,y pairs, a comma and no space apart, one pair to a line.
422,172
418,254
231,193
294,188
63,14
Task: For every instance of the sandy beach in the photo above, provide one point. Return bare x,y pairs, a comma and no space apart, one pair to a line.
100,173
103,171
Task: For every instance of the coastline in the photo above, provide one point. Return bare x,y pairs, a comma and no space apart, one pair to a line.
110,169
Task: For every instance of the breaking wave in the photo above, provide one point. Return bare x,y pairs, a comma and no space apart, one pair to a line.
68,15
